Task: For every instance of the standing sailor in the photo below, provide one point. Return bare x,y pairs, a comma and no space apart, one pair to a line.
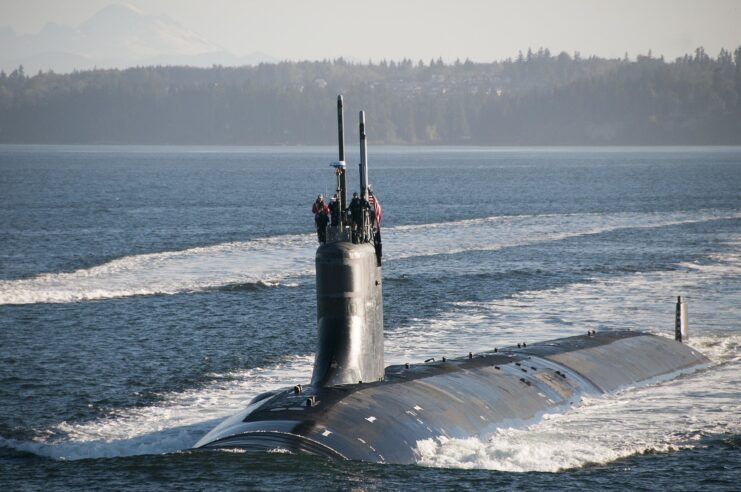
357,207
334,210
321,217
318,205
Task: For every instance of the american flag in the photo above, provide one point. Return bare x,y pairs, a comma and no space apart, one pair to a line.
377,206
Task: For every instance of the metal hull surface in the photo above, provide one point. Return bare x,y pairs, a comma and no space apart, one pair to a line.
383,421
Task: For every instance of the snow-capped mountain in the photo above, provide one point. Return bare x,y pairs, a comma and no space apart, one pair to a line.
116,36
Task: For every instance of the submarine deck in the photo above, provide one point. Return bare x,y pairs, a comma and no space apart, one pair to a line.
383,421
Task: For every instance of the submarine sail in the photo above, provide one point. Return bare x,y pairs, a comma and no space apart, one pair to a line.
355,409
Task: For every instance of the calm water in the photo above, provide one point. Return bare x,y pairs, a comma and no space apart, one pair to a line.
147,293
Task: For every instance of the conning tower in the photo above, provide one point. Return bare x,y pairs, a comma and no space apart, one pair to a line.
348,286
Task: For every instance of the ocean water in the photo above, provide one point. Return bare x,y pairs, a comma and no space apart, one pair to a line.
146,293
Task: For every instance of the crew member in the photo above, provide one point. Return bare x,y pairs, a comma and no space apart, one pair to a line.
322,219
334,210
357,206
318,205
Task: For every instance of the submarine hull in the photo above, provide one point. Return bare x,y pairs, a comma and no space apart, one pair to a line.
458,398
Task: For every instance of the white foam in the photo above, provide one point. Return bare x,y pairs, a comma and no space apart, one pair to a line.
498,232
658,418
281,259
266,261
640,301
173,425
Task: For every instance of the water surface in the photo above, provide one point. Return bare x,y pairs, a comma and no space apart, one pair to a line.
148,292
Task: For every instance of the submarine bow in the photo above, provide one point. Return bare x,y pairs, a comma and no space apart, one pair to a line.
354,409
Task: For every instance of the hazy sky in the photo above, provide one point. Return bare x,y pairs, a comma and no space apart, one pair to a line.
479,29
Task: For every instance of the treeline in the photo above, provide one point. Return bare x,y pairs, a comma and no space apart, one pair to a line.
536,99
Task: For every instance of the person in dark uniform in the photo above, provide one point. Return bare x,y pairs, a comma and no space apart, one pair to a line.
322,219
334,210
357,205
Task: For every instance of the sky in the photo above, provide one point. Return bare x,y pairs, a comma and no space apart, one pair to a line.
482,30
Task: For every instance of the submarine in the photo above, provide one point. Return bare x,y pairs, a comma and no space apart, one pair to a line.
354,408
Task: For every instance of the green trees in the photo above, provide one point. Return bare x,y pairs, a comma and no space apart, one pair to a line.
539,98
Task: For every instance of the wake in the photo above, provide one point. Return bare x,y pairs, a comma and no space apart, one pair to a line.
280,260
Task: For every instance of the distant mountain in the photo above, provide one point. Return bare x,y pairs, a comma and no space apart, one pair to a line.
117,36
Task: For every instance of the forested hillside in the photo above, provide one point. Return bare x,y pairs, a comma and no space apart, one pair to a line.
536,99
